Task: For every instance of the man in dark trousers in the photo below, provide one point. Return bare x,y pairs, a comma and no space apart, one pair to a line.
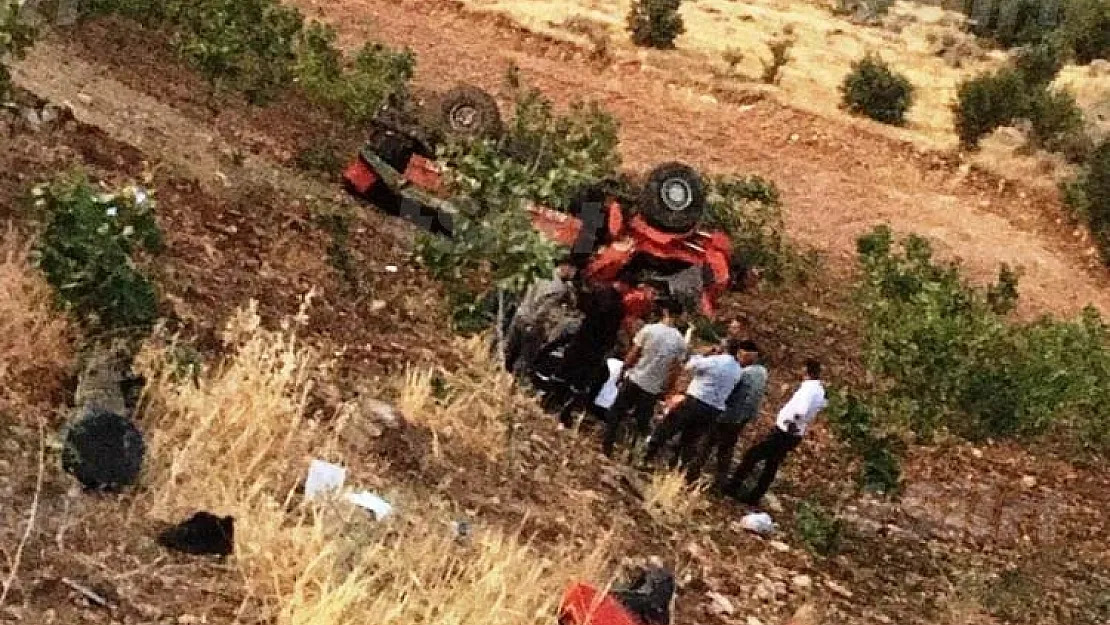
584,369
741,408
790,426
539,311
651,368
714,378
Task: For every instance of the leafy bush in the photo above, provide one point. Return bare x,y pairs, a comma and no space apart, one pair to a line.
1057,123
749,210
1040,63
15,37
819,529
261,47
1095,190
1082,25
988,102
377,75
655,23
949,358
1086,28
87,251
854,422
874,89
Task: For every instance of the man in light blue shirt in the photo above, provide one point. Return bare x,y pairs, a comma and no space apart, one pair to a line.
706,396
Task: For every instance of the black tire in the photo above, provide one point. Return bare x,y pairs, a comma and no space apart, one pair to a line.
470,113
673,198
103,450
394,148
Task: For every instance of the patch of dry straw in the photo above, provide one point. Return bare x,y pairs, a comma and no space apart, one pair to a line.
669,498
472,406
36,340
235,441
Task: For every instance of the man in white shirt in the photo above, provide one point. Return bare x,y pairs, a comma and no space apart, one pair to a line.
792,422
715,377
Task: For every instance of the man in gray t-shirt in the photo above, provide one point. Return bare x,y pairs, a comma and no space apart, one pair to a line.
741,408
652,367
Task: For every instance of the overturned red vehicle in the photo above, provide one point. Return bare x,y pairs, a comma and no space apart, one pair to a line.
649,244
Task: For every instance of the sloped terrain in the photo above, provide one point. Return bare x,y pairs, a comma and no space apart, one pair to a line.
991,529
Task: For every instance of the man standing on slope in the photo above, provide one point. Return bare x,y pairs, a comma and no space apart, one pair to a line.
652,366
715,377
792,423
741,409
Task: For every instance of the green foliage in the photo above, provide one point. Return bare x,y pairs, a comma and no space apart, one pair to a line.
87,251
1096,197
261,47
818,528
854,422
1086,28
337,222
749,210
655,23
987,102
15,37
780,56
1056,122
949,358
1040,63
376,76
874,89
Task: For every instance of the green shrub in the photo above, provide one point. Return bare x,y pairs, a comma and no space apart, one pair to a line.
377,75
949,358
874,89
87,251
1086,28
1096,194
655,23
818,528
1057,123
1040,63
15,37
749,210
989,101
854,422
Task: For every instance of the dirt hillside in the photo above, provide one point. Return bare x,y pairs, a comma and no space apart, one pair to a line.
837,180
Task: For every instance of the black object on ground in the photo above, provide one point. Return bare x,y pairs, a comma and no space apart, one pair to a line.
649,594
103,450
202,533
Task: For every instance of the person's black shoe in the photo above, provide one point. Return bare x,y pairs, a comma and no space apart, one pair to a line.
203,533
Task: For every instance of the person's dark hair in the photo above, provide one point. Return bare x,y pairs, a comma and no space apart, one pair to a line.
749,346
813,368
733,346
671,307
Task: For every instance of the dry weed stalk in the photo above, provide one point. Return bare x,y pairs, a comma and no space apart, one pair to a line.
668,497
477,397
234,441
36,347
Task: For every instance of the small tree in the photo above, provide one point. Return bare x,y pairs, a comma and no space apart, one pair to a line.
655,23
1096,191
1039,64
989,101
874,89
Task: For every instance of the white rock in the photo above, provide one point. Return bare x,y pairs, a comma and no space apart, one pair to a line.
838,589
773,504
779,546
802,582
1028,481
754,621
721,604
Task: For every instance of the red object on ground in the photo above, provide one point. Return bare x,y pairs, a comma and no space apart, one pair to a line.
585,605
359,175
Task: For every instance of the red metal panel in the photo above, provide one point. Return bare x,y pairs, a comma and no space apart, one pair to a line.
424,173
359,175
584,605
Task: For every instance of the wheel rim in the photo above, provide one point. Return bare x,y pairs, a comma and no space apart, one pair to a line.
677,195
464,118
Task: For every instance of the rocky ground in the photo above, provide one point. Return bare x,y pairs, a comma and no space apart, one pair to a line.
1017,534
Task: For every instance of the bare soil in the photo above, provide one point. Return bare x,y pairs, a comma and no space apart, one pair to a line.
241,223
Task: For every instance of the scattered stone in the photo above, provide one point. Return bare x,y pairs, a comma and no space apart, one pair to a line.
720,604
838,589
802,582
377,305
779,546
772,503
84,98
765,591
32,119
379,412
1029,481
754,621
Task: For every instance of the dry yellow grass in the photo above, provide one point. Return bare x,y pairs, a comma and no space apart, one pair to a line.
474,405
36,348
668,497
235,441
726,41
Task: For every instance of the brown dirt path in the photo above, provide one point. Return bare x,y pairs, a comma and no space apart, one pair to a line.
838,180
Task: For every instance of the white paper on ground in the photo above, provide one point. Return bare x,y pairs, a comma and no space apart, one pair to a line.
323,477
760,523
369,501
